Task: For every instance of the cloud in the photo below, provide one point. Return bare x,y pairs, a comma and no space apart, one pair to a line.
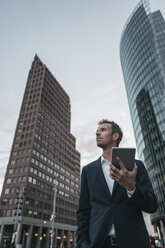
86,142
9,115
3,163
3,152
94,97
7,128
89,150
123,114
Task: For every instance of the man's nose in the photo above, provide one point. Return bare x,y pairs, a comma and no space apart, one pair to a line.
97,133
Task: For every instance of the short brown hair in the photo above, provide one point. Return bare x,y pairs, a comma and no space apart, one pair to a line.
115,128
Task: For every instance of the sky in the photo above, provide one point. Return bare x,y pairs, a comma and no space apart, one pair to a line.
78,40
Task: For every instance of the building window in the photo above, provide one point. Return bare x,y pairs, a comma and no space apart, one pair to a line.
34,181
14,154
6,191
13,162
72,191
8,181
35,214
61,177
4,201
14,179
27,201
27,159
67,188
72,183
19,179
30,179
67,180
13,213
23,179
62,185
8,213
10,171
32,160
10,201
12,190
30,213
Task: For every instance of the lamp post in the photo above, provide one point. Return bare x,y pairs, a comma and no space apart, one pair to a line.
53,215
19,203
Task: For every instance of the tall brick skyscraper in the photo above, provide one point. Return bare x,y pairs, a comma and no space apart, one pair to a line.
43,155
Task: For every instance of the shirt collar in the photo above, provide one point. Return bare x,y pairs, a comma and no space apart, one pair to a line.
103,160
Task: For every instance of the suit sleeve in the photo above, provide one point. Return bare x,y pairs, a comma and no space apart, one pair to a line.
83,214
144,196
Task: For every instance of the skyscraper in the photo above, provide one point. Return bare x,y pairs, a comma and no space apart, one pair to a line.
44,167
142,53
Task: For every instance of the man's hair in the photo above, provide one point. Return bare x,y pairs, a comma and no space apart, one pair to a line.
115,128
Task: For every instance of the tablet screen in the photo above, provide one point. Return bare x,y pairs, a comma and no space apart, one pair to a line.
127,155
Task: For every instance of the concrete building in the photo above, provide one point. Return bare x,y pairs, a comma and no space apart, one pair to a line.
142,53
43,169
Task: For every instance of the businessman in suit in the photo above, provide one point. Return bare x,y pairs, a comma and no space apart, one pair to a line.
112,200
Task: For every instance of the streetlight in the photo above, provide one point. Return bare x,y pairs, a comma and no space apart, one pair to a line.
18,209
53,215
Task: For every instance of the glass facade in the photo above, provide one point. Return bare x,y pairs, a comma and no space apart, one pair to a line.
142,54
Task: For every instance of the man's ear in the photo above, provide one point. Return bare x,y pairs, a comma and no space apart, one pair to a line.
115,136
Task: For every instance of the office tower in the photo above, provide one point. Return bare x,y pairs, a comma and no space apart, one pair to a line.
44,167
142,53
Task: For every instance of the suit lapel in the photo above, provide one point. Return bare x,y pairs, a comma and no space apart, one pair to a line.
114,187
102,180
101,177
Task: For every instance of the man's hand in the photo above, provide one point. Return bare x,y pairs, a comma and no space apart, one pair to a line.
125,178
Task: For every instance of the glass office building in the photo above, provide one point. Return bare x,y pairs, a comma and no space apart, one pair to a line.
142,54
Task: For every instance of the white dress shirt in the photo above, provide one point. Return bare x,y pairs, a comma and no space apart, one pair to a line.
110,183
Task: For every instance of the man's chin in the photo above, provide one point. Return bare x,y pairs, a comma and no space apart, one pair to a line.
100,145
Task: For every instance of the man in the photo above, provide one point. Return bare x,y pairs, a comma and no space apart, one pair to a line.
112,200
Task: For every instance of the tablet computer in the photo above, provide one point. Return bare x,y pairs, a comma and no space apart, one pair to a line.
127,155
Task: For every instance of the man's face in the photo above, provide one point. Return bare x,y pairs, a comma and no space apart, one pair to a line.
104,136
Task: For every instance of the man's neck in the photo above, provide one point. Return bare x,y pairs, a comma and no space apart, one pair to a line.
107,154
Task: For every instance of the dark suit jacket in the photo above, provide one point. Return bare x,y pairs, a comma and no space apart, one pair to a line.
98,209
